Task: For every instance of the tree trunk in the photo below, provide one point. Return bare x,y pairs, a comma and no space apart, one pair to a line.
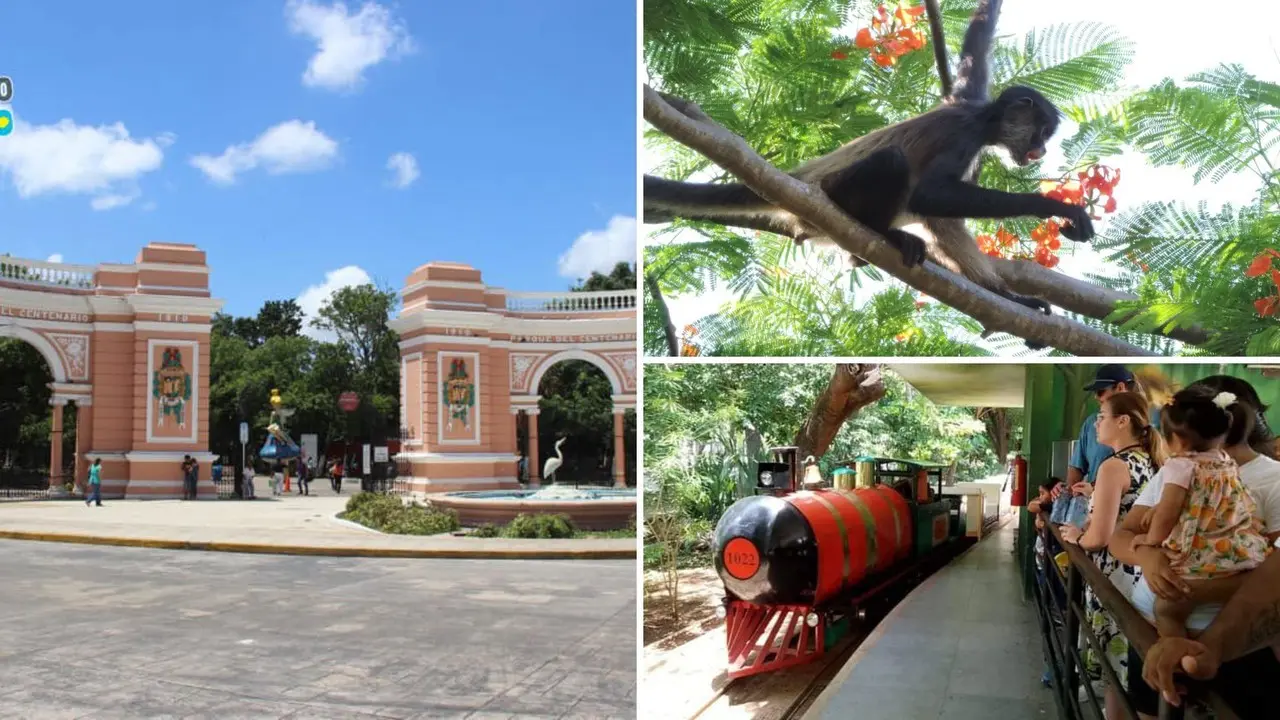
851,388
673,344
996,421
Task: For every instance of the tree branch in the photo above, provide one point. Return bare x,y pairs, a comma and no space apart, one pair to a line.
1078,296
851,388
668,329
939,45
692,128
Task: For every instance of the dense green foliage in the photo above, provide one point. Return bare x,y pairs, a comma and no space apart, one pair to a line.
764,69
701,419
26,421
252,356
389,514
707,425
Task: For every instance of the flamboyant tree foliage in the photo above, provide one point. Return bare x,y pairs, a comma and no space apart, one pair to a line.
798,78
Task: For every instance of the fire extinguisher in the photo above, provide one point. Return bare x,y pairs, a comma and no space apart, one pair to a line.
1019,498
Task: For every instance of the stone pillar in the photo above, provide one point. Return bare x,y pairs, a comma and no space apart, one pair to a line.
535,469
84,440
619,448
55,449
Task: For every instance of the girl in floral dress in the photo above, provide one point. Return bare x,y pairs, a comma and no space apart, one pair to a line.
1206,520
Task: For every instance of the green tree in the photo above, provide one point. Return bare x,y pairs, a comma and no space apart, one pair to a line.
1192,266
621,277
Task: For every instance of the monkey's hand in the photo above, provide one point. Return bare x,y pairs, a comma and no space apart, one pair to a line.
1079,226
911,247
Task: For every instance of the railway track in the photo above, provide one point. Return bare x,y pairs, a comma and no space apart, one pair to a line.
789,693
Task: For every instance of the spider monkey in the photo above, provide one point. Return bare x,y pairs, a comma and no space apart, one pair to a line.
921,170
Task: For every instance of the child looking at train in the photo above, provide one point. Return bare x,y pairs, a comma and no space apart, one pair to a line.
1205,520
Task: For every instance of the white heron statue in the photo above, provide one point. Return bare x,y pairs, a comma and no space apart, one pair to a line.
553,464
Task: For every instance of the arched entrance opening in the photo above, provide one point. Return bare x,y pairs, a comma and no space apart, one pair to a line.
576,405
37,428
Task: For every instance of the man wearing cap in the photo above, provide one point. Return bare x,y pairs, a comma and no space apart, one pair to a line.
1090,453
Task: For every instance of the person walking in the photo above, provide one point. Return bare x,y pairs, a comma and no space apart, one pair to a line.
186,477
248,482
95,484
304,478
335,477
193,476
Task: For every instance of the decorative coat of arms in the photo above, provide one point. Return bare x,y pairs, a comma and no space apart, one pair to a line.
459,392
171,387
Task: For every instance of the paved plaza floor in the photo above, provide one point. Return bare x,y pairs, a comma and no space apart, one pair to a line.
290,520
103,632
962,646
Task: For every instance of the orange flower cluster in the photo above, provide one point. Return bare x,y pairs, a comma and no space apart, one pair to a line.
1047,236
1260,266
1094,189
687,348
997,245
1134,259
890,36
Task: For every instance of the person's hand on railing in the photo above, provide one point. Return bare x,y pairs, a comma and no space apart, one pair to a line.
1082,488
1178,654
1070,534
1160,577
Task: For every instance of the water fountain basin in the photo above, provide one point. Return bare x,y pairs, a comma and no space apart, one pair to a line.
589,508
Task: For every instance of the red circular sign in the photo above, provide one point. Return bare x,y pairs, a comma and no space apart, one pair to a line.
348,401
741,558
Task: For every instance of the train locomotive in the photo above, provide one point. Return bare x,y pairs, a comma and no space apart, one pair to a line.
801,561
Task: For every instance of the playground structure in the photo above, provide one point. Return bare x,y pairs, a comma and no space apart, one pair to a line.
128,348
278,445
471,360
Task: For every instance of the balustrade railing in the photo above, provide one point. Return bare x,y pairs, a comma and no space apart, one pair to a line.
1064,627
38,272
571,302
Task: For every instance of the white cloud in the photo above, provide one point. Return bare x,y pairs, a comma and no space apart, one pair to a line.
600,250
347,45
54,258
103,162
107,202
314,297
405,169
292,146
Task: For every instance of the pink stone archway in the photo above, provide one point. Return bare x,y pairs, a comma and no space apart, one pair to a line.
471,357
128,346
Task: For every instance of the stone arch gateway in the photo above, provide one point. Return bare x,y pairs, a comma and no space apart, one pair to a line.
128,346
471,357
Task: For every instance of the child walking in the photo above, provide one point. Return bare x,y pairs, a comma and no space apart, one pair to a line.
95,483
1206,520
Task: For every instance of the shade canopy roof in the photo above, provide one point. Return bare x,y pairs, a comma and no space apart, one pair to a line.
966,384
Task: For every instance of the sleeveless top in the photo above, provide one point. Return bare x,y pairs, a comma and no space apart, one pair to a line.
1141,470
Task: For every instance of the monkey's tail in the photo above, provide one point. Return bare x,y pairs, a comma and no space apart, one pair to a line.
665,200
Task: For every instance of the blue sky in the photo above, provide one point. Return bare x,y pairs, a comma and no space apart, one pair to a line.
270,133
